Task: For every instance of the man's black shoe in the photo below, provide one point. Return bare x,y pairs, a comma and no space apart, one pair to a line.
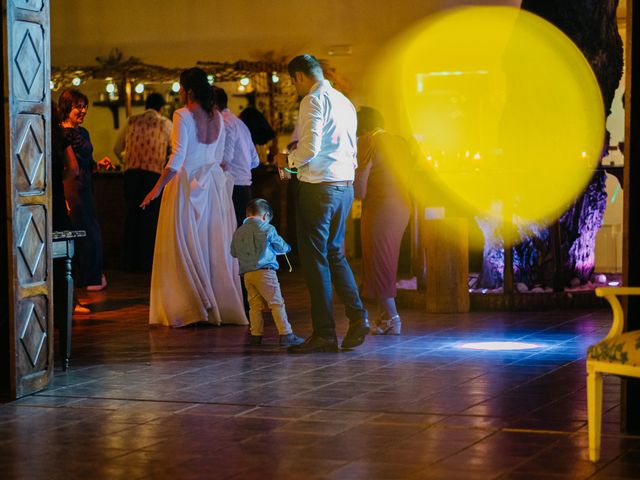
356,333
315,344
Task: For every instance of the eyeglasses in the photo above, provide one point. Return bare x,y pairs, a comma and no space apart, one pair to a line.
81,106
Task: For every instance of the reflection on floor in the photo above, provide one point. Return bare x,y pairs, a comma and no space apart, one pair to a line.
195,403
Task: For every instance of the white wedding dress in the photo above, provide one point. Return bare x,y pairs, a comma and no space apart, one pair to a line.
194,277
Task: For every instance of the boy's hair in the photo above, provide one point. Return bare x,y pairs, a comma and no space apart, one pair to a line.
259,206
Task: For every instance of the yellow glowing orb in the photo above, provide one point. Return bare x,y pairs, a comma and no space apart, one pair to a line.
505,111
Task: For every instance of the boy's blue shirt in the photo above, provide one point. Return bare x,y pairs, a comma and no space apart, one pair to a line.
255,244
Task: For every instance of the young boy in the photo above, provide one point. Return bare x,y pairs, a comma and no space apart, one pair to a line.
255,244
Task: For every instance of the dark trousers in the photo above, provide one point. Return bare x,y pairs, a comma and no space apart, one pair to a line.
320,219
241,197
292,192
139,225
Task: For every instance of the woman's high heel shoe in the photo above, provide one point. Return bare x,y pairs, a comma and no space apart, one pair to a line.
391,326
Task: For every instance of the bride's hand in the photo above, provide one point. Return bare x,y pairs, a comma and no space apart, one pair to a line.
151,196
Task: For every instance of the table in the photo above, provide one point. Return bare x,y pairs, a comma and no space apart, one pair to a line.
62,252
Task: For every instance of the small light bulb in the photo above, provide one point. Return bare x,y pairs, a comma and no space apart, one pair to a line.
76,81
210,79
139,88
110,88
275,78
52,85
244,81
175,87
241,88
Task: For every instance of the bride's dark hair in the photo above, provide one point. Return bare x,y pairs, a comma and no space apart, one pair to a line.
195,79
208,127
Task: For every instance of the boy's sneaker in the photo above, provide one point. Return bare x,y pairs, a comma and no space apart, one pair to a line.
290,339
255,340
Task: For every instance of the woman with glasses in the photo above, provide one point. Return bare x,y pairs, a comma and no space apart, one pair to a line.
72,107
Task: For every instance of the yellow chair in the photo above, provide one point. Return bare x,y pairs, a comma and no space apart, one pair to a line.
617,354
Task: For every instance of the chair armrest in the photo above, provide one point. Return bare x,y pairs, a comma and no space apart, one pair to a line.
611,295
622,291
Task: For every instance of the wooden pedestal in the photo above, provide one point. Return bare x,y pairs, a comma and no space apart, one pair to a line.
446,244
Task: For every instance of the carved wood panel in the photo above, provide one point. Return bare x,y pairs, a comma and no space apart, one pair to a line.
30,227
28,61
33,5
32,334
27,150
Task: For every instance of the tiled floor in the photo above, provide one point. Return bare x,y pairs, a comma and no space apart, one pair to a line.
195,403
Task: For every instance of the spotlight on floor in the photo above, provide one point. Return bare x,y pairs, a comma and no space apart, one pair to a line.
496,346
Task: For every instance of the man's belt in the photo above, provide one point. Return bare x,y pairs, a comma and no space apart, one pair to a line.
339,183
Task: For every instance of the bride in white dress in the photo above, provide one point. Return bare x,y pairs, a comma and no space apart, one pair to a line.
194,278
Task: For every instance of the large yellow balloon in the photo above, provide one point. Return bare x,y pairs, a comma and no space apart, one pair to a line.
505,111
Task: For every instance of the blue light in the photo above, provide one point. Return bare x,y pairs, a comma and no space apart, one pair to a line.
497,346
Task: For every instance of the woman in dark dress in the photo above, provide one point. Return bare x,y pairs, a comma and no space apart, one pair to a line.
62,168
72,107
383,159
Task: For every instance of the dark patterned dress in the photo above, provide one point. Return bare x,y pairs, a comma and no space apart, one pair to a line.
61,220
78,192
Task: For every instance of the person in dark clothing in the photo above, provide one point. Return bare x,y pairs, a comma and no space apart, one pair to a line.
63,167
261,131
78,191
143,144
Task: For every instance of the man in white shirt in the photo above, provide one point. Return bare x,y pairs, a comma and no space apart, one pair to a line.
144,142
240,155
325,158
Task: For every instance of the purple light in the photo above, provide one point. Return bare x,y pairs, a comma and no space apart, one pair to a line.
613,284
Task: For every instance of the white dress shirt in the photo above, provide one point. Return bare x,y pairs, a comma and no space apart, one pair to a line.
326,150
240,154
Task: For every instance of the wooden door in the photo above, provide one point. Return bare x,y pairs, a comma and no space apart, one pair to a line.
27,330
631,226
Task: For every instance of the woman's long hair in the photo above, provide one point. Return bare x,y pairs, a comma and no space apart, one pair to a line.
208,125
